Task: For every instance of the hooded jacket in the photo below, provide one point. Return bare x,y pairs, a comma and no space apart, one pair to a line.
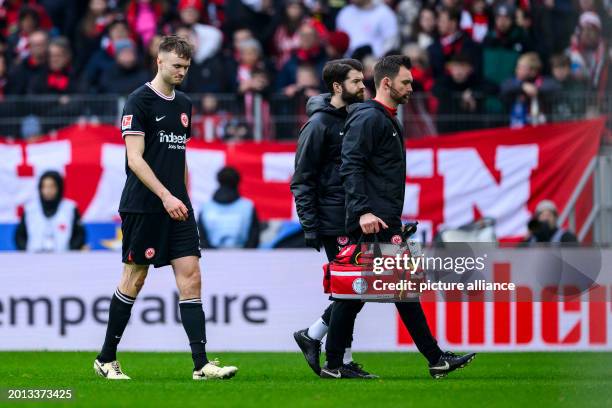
373,167
316,183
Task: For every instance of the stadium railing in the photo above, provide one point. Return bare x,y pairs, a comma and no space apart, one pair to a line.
233,117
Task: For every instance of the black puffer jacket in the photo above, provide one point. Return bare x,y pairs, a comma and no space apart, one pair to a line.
316,184
373,165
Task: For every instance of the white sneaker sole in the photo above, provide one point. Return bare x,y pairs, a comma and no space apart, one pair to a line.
226,376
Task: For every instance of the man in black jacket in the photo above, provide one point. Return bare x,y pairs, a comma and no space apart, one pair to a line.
373,172
318,190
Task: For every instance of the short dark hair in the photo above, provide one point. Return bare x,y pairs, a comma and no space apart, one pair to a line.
454,14
560,60
228,177
176,44
389,66
337,70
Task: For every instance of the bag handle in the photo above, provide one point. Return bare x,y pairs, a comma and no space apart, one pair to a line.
357,252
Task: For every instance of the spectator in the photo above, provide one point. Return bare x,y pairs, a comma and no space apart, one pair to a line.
90,31
253,81
228,220
408,14
258,16
452,42
369,23
309,52
21,75
543,226
10,12
150,57
570,101
190,12
524,19
50,223
207,72
589,54
17,42
58,76
337,44
503,45
424,31
210,124
143,16
126,74
527,94
64,15
286,37
307,84
460,97
103,59
480,18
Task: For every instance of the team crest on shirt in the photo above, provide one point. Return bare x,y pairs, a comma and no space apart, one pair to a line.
184,119
149,253
126,122
342,240
396,239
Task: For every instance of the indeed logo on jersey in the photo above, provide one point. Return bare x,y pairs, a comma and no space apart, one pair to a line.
174,141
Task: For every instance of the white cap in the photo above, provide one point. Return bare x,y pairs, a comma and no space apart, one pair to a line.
546,205
588,17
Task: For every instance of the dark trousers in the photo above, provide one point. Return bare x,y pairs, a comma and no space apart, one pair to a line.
332,246
344,312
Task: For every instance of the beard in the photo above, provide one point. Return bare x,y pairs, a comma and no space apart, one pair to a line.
399,98
350,97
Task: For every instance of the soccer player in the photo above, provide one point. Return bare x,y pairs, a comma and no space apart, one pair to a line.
318,191
373,171
157,219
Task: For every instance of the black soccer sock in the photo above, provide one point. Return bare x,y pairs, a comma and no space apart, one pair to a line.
192,316
118,317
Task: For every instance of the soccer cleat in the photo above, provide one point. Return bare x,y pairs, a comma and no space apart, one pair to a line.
110,371
311,348
339,373
212,370
449,362
358,369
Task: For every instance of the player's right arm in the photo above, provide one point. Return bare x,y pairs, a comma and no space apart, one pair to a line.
135,146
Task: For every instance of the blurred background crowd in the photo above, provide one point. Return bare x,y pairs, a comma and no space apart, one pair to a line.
476,63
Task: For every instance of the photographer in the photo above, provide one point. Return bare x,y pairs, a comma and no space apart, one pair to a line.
543,226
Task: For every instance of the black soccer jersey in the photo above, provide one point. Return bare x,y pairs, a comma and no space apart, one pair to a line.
165,124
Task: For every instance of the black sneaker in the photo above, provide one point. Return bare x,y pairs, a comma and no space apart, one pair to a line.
358,369
339,373
311,348
449,362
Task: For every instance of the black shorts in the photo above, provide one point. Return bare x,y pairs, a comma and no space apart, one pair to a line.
156,239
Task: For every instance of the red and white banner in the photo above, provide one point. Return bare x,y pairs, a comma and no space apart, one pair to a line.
256,301
500,173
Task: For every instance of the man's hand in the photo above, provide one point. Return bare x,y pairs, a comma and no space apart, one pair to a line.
175,207
312,240
370,224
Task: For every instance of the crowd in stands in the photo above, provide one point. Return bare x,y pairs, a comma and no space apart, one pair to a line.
515,62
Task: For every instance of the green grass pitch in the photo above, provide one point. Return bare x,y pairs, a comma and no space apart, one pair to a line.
520,380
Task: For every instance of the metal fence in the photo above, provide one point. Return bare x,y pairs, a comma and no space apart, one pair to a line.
233,117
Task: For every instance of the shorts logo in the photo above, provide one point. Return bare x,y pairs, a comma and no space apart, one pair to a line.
360,286
342,240
396,239
149,253
184,119
126,122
